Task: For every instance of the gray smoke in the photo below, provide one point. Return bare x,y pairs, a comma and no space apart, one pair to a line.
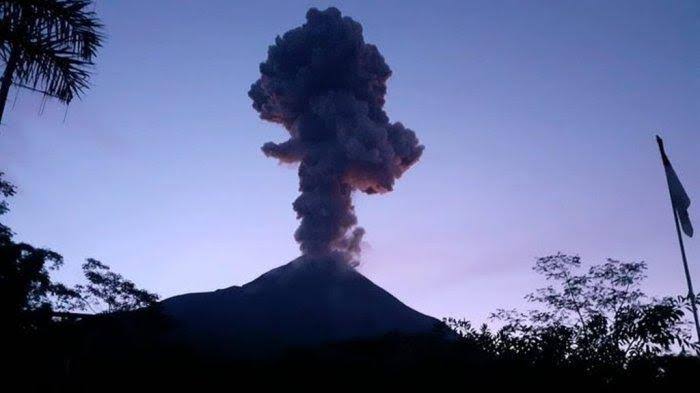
326,86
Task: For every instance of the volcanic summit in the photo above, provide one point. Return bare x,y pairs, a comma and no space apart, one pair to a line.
305,303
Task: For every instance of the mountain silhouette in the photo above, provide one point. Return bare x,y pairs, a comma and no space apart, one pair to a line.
305,303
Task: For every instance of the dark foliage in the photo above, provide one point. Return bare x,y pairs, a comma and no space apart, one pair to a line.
595,330
27,291
599,322
111,292
40,332
131,349
6,190
128,361
47,46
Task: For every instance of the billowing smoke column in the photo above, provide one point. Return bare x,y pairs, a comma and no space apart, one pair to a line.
326,86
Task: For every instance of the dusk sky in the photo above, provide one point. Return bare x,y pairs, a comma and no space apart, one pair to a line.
537,119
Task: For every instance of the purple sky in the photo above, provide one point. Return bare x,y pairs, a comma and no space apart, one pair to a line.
538,120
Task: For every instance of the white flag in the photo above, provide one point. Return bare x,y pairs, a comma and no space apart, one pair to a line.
679,198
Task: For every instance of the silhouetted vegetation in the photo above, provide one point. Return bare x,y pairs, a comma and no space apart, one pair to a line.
47,46
40,328
108,292
599,322
26,287
595,329
6,190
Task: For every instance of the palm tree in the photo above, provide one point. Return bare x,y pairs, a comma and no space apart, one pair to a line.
47,46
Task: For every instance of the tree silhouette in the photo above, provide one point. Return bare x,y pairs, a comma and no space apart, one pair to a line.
6,190
28,295
26,289
109,291
47,46
599,321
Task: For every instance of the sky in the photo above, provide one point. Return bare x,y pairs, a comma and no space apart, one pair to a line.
538,120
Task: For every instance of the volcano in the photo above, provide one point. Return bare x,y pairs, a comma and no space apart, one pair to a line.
305,303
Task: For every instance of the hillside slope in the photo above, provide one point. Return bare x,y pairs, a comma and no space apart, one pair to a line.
303,303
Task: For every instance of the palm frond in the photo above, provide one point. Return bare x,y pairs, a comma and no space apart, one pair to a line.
57,41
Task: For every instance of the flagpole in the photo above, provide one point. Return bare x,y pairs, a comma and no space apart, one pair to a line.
691,293
689,281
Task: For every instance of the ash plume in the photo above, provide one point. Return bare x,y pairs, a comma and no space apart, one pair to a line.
326,86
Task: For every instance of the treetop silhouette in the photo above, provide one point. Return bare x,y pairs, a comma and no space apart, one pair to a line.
47,46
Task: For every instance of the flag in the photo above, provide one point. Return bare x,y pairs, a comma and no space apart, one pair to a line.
679,198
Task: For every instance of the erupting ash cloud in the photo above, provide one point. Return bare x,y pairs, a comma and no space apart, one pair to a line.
326,86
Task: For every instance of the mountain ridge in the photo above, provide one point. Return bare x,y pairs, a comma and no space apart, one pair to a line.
304,303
